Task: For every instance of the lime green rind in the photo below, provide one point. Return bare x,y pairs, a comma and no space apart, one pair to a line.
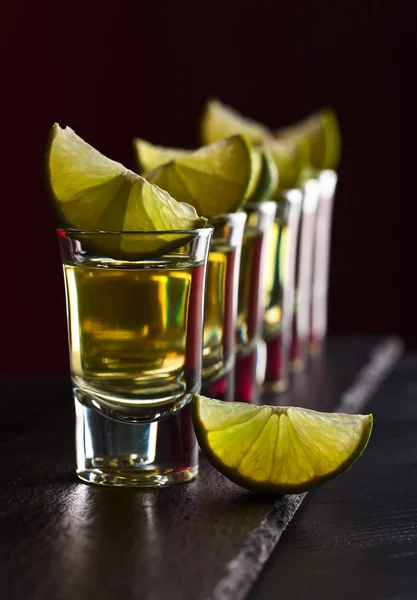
215,179
255,172
270,487
268,181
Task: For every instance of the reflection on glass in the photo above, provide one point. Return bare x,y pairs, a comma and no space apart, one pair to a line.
328,182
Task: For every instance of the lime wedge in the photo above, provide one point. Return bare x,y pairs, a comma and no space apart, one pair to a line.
214,179
220,121
278,449
265,180
93,193
321,130
150,157
264,172
290,159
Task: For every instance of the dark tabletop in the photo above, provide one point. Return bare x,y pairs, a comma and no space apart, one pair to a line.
356,537
60,539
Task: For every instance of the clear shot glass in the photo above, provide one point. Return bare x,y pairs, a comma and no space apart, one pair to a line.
220,309
135,323
280,278
250,347
304,276
322,240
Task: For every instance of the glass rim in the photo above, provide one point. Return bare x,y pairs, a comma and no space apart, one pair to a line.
70,230
239,215
266,207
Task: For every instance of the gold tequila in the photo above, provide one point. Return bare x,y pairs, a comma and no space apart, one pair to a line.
218,344
128,328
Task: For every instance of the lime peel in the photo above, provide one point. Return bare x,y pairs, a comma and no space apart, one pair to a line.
265,183
94,193
278,449
321,132
220,120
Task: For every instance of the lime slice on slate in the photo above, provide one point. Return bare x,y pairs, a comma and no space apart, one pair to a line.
278,449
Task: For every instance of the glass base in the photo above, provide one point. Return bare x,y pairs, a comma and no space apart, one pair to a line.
116,453
316,345
131,478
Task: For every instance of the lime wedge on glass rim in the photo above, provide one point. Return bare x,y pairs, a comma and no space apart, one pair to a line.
291,158
278,449
263,182
150,156
322,133
220,120
92,193
215,179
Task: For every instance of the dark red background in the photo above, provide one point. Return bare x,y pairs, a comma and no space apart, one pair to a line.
112,71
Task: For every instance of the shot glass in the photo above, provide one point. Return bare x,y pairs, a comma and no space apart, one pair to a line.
280,275
220,309
135,322
304,276
250,347
322,239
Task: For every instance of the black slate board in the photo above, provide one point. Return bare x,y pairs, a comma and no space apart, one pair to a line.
207,539
357,536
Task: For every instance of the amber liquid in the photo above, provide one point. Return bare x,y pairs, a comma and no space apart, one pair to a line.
219,332
135,331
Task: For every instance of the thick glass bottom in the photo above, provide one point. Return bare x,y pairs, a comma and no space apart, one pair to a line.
111,452
317,345
131,478
128,409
